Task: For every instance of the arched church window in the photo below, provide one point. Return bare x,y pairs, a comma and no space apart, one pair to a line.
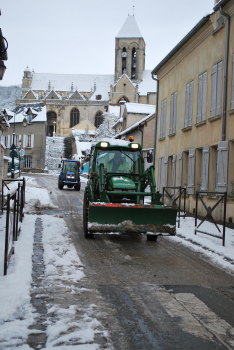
124,60
133,72
123,98
98,119
74,117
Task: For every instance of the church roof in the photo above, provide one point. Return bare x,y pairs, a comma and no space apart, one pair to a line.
129,29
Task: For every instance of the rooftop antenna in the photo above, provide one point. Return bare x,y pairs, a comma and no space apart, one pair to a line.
133,10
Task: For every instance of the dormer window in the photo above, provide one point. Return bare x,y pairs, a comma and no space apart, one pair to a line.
29,118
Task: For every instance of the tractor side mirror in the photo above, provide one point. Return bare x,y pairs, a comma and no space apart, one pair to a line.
149,157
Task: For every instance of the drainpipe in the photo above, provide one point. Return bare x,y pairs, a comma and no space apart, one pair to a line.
156,116
225,73
141,136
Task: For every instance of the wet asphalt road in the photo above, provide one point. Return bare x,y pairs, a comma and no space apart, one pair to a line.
149,295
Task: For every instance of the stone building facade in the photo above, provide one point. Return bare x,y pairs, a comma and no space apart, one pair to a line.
74,98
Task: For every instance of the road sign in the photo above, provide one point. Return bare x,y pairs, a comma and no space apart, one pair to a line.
21,153
15,154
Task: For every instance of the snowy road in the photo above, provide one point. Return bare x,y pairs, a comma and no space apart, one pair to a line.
148,295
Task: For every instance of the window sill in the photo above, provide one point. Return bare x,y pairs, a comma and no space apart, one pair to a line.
200,123
231,111
172,134
212,119
187,128
161,139
28,147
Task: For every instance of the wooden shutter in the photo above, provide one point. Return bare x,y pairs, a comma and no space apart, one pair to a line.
219,86
171,114
24,141
165,171
174,112
222,166
186,106
205,168
232,99
190,116
160,166
161,122
199,100
8,141
164,118
204,84
191,171
213,90
173,173
32,140
180,172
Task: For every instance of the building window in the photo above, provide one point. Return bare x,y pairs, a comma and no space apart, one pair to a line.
98,119
28,162
188,105
173,113
74,117
163,119
133,72
201,101
232,99
124,60
191,171
17,140
28,141
216,81
6,141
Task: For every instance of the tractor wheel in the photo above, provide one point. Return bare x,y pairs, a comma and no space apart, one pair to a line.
77,187
86,214
152,238
60,185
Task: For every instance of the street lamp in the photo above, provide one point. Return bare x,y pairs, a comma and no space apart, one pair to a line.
2,69
54,128
25,122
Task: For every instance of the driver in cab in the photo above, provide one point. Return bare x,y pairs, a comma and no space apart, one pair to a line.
117,164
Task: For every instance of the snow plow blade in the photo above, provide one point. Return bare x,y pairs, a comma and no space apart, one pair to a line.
130,218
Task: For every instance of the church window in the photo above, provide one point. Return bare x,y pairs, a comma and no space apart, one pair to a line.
98,97
98,119
74,117
124,60
133,72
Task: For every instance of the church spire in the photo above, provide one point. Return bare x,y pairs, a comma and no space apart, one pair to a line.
129,29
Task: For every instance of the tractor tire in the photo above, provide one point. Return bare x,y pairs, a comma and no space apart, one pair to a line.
152,238
60,185
77,187
87,235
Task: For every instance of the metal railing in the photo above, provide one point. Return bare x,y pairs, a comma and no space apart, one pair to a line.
173,199
14,214
209,210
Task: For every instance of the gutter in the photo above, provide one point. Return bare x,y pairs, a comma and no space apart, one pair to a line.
156,117
220,3
182,42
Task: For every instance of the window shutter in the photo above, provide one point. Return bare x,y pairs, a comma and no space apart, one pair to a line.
160,175
232,99
32,140
165,171
180,172
205,168
191,171
24,141
20,144
219,85
9,141
161,123
199,100
190,104
186,106
213,91
164,118
173,173
204,84
222,166
174,113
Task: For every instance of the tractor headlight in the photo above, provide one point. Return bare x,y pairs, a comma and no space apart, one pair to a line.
134,145
104,144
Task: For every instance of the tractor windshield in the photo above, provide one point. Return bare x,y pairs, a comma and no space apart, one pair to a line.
119,161
70,167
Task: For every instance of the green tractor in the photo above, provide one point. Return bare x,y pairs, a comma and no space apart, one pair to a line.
115,196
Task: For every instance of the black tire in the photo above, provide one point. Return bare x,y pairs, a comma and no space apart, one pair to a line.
60,185
152,238
86,214
77,187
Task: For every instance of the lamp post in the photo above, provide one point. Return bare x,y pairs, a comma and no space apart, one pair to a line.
54,128
13,157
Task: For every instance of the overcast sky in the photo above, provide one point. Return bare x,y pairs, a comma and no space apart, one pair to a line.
78,36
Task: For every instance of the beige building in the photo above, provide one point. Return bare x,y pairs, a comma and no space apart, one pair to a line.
195,134
72,98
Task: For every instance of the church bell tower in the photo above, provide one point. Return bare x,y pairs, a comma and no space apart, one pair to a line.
129,51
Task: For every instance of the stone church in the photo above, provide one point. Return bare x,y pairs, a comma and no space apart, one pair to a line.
71,99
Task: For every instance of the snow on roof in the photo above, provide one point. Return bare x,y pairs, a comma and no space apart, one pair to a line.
6,111
62,82
148,84
139,108
129,29
114,142
114,110
134,125
82,146
51,92
37,108
120,120
127,78
102,88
